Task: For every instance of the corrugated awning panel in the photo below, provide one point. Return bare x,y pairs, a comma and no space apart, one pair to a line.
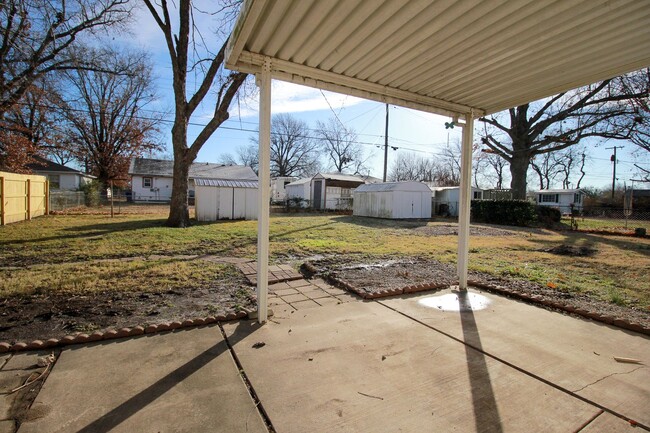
451,55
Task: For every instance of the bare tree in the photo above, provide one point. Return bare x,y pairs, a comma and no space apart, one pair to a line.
600,110
37,37
545,168
189,53
103,110
340,144
567,161
493,167
412,167
247,155
293,151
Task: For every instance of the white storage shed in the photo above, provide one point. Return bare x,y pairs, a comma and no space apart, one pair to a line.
300,190
218,199
446,199
393,200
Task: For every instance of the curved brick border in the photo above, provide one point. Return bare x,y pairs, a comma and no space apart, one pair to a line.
501,290
113,334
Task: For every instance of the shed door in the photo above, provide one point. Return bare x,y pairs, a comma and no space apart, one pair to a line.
318,191
224,203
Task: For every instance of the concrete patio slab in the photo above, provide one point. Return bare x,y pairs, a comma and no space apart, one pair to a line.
182,381
575,354
360,367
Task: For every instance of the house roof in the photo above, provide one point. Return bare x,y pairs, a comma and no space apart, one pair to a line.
394,186
445,188
226,183
450,58
300,182
206,170
43,165
347,177
557,191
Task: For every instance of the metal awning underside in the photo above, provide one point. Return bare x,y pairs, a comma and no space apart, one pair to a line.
443,56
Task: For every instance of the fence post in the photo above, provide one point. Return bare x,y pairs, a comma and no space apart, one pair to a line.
47,196
2,200
29,199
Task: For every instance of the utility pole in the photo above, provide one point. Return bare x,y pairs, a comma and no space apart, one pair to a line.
386,146
613,158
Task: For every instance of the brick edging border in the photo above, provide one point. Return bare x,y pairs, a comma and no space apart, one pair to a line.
500,290
113,334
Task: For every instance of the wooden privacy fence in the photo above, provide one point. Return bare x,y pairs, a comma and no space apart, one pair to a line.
22,197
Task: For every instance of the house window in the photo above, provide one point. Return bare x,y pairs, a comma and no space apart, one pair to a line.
577,198
147,182
55,181
346,192
548,198
478,195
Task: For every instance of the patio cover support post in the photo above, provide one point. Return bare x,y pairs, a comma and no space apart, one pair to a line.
264,191
465,200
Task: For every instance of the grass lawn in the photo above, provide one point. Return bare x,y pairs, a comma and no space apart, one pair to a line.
66,253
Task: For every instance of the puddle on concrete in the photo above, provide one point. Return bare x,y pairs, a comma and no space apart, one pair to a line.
456,301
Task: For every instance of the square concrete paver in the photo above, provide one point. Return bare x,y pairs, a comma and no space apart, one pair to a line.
301,305
184,381
576,354
360,367
294,298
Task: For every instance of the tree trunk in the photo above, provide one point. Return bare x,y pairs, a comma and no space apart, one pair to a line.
179,212
519,172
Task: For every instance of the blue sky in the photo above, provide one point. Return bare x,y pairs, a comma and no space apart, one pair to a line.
409,130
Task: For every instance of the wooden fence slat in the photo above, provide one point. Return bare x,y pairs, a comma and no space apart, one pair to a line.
20,197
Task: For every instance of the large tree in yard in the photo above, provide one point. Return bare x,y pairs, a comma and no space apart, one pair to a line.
293,151
605,110
340,145
105,123
189,54
37,38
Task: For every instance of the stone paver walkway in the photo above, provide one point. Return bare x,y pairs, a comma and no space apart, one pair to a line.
277,273
303,294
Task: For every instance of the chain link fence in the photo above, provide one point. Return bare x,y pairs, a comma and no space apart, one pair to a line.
614,219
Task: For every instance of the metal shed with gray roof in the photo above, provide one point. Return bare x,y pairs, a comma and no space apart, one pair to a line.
393,200
225,199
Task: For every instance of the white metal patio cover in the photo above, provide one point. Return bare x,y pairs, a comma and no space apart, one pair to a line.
460,58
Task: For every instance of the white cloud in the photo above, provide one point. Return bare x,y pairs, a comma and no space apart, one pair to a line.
293,98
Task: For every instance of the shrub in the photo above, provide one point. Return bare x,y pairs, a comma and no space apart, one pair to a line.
504,212
92,193
548,215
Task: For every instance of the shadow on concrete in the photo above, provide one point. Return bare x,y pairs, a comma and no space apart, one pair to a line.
486,412
141,400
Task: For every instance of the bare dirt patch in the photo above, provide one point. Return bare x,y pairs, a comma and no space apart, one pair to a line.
570,250
452,230
384,274
40,317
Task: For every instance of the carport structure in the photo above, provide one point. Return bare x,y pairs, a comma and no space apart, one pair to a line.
459,58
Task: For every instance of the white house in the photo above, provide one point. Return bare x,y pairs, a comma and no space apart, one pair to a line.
278,187
218,199
299,190
334,190
59,176
445,199
394,200
151,179
563,199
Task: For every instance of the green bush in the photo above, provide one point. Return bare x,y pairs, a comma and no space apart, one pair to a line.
92,193
504,212
547,215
